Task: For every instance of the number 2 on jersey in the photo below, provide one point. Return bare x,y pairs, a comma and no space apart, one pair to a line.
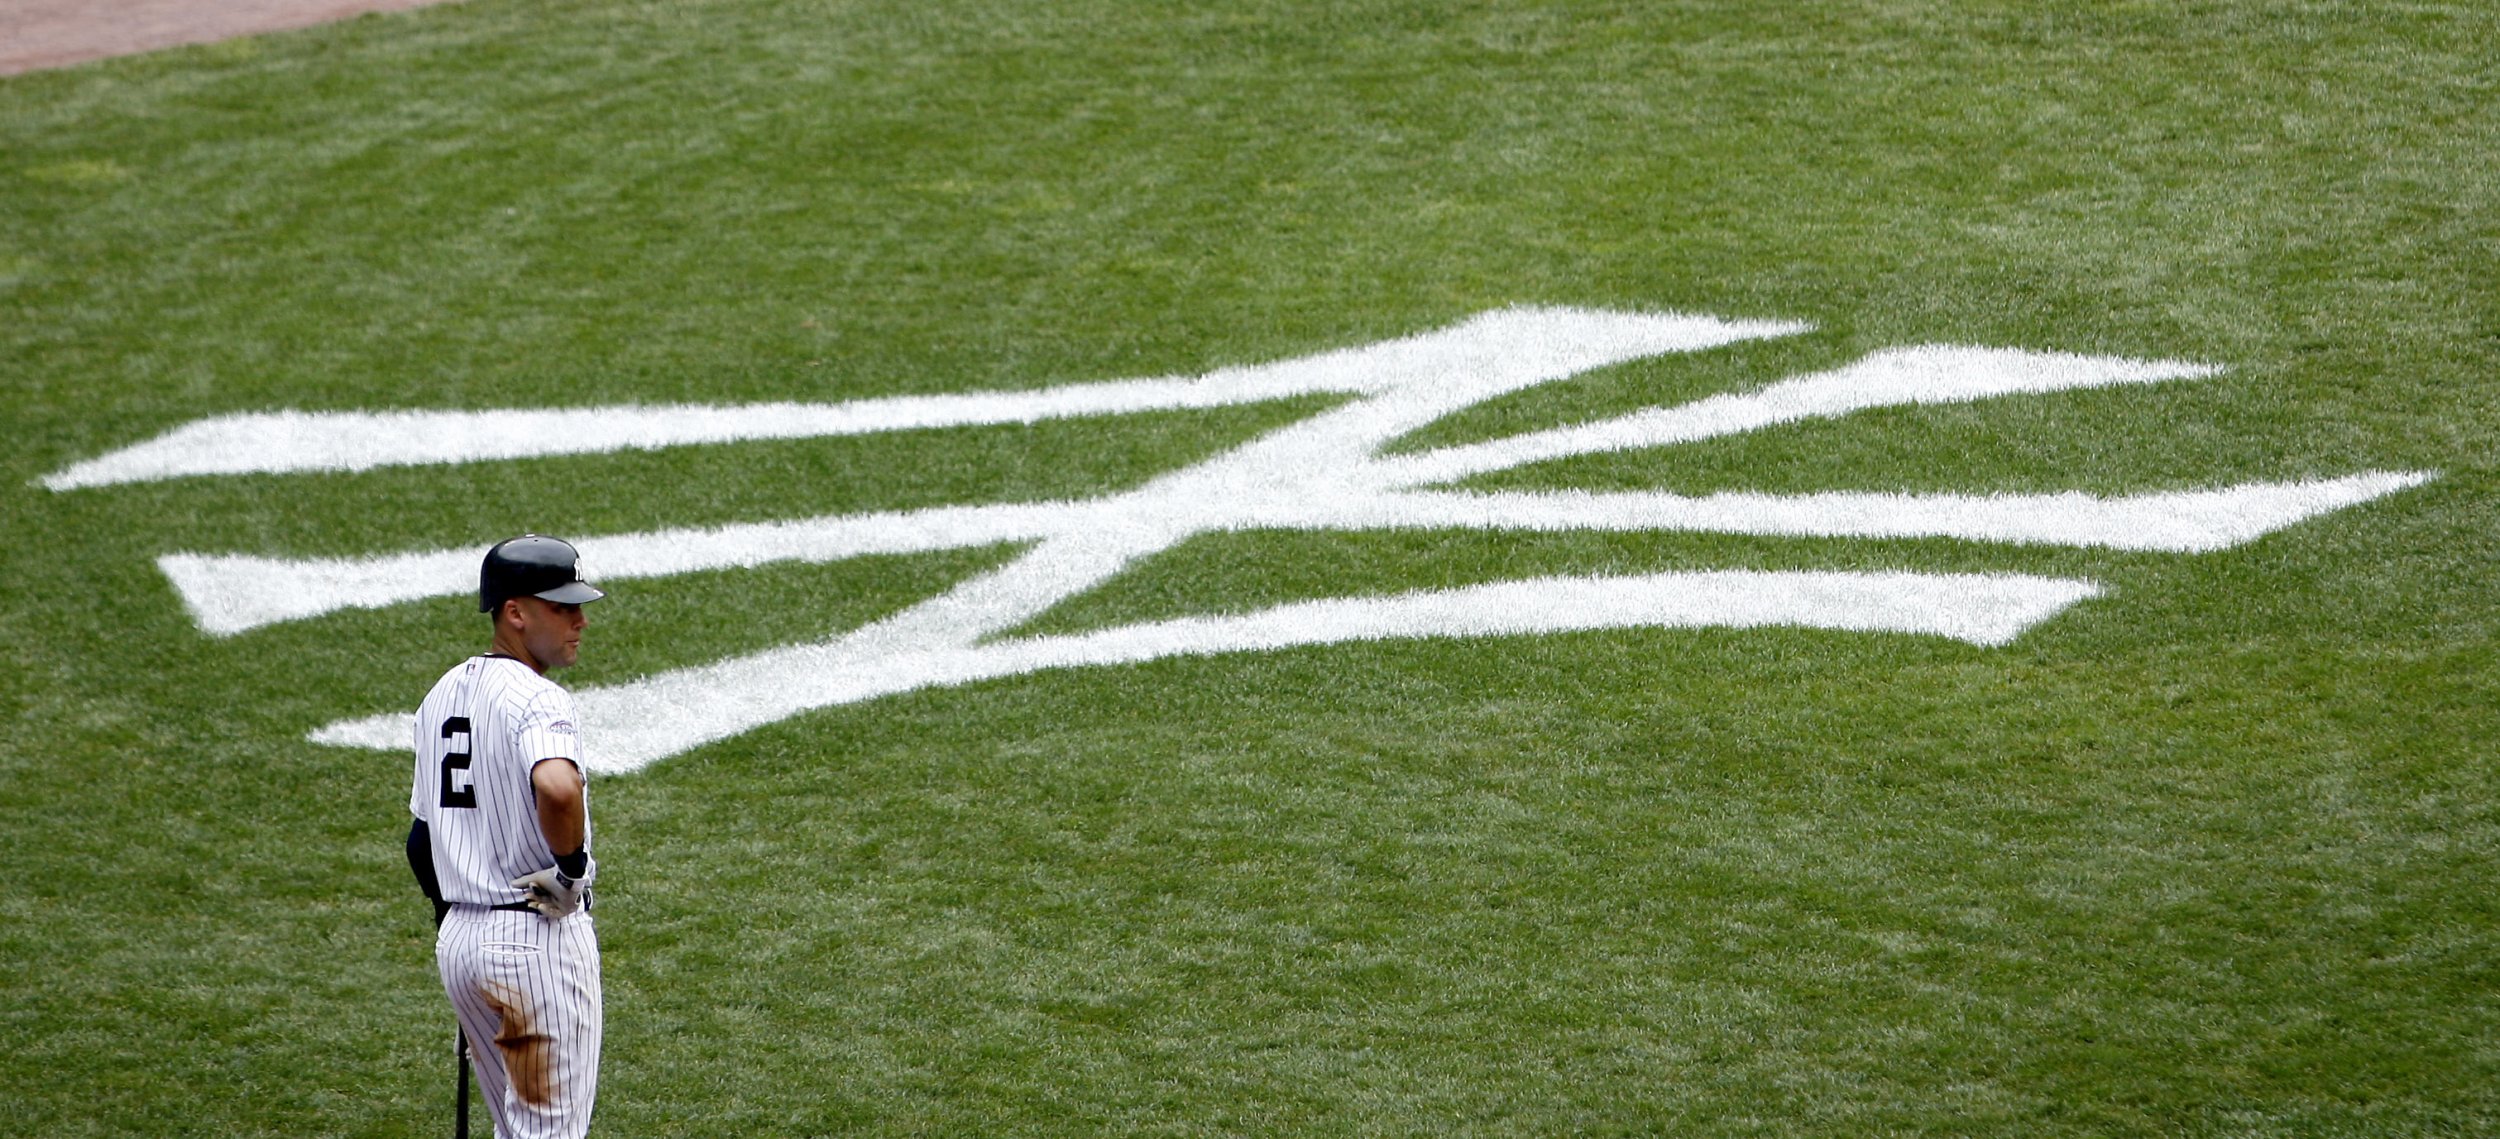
465,793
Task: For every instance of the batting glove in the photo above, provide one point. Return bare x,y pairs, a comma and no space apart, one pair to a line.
552,893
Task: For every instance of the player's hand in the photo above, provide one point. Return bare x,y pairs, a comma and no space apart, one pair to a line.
553,894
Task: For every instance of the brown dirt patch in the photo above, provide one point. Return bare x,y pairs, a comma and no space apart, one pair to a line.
528,1054
36,34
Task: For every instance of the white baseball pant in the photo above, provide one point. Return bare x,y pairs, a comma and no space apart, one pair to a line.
526,990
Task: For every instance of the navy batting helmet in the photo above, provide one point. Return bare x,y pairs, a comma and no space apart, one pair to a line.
533,565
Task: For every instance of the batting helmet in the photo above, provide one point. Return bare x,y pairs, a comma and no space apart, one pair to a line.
533,565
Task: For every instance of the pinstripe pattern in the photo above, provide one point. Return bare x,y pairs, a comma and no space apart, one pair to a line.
527,993
526,988
516,719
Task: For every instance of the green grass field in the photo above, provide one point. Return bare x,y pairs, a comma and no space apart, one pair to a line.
2216,853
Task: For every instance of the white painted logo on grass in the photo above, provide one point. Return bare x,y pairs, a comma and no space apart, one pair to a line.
1327,472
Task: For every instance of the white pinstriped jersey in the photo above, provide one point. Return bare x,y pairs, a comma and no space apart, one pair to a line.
487,723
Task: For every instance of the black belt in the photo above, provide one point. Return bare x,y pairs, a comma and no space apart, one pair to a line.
534,909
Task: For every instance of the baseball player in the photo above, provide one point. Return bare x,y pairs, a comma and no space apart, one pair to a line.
502,844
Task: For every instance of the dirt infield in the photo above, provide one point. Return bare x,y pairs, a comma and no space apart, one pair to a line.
36,34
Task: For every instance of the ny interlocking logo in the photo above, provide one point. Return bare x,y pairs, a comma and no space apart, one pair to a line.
1331,471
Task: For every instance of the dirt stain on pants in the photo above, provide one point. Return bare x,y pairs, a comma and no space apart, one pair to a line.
528,1054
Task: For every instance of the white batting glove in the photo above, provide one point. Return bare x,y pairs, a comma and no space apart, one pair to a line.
551,893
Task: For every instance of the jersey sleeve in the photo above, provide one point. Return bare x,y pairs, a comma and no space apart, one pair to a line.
545,729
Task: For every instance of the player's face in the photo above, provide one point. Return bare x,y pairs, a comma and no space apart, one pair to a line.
551,632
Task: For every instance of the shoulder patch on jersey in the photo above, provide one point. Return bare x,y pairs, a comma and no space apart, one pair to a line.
561,727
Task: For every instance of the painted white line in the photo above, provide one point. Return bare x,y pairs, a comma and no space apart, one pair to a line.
298,441
1410,383
233,593
229,594
1893,377
1325,472
1329,464
648,720
2184,522
304,441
